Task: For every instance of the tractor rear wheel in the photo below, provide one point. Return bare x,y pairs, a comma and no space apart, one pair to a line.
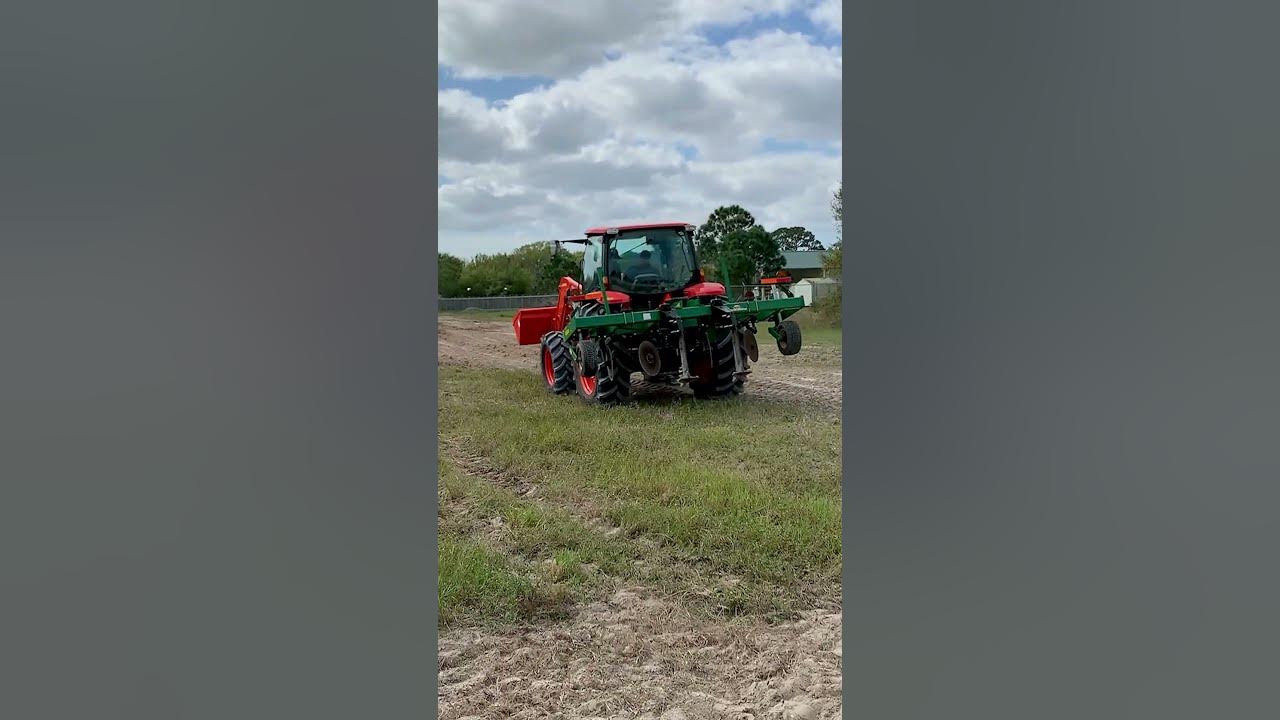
556,363
718,379
611,381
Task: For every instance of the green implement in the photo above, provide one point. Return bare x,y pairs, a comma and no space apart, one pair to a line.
623,323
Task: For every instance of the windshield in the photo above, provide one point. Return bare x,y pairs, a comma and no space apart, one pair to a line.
657,260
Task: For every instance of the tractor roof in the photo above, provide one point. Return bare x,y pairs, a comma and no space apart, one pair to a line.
600,229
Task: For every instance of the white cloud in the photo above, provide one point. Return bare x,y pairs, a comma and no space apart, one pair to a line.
602,144
828,14
693,13
556,39
469,129
782,86
721,100
518,37
531,201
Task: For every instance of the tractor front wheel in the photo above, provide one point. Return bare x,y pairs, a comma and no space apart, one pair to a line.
556,363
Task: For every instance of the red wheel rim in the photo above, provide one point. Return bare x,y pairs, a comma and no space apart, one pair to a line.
547,369
588,384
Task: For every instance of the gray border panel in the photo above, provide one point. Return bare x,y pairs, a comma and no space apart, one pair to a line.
216,368
1060,369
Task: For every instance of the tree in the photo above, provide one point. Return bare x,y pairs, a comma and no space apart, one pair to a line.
720,223
496,275
449,275
837,211
750,254
796,238
832,261
565,263
477,279
545,267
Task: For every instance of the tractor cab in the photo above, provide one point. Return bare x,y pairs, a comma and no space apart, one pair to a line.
646,262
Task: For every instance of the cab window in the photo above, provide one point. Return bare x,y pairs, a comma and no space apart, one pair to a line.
591,265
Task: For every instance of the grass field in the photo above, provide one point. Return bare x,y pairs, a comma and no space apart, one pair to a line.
729,507
816,331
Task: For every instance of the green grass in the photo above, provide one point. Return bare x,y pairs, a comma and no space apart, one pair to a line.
477,582
739,489
529,568
478,314
532,531
818,331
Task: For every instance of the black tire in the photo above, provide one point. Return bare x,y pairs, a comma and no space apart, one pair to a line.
556,363
722,383
609,386
788,337
589,354
611,383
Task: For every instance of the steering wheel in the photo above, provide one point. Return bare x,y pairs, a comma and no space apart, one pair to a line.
648,279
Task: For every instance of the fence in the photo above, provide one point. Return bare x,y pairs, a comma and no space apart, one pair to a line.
506,302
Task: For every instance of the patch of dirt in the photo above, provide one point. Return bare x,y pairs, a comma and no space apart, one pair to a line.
812,378
638,656
482,343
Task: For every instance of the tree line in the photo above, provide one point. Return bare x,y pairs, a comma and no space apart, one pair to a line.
730,237
528,270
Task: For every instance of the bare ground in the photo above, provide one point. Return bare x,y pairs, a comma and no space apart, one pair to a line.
640,655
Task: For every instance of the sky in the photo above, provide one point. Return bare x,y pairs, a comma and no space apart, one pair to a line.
558,116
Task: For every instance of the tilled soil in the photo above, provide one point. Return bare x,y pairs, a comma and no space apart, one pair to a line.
811,379
640,655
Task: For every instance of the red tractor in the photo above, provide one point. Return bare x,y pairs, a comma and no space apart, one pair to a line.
643,305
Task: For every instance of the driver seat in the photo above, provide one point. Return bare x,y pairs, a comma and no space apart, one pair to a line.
614,262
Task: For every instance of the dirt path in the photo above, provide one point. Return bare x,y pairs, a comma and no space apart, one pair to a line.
812,378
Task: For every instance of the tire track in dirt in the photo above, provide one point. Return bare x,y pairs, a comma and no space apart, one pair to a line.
479,466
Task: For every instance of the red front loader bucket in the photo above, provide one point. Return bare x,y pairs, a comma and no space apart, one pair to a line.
532,323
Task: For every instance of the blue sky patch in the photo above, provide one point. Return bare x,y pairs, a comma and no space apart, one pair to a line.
779,145
792,22
688,152
492,89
